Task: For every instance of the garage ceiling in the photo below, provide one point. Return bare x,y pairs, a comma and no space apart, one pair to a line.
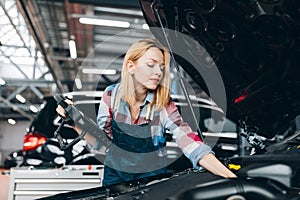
50,26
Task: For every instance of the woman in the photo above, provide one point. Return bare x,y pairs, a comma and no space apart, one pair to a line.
136,112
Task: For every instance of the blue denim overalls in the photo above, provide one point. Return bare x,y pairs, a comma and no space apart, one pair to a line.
132,154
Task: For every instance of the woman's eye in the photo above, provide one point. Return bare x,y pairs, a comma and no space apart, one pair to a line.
150,65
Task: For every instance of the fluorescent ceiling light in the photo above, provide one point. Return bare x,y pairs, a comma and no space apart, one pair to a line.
72,46
11,121
104,22
2,82
145,26
33,109
99,71
48,77
42,105
78,83
119,11
20,98
85,93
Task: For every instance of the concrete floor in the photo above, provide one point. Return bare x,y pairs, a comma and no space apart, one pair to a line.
4,182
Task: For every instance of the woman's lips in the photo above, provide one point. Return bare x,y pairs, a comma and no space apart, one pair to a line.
156,80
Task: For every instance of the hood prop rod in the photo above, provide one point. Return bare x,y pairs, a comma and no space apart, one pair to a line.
181,80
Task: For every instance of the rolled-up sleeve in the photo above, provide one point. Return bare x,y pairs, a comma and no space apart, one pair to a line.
188,141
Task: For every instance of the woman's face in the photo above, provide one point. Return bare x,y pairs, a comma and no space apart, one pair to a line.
148,70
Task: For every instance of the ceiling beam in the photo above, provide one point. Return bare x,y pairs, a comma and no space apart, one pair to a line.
31,15
16,108
36,92
18,91
28,82
112,3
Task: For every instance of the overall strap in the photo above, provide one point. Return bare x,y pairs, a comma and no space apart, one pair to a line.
114,96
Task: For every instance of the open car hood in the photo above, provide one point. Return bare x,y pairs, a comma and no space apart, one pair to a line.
255,47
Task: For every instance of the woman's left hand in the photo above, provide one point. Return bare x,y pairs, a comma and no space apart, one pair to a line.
212,164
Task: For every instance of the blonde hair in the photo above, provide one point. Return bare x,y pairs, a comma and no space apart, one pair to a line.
127,91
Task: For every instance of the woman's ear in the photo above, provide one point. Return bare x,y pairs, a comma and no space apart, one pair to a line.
130,66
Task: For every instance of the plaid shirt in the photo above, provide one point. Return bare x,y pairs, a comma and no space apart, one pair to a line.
167,118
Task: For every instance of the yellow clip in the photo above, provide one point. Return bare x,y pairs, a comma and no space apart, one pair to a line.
234,166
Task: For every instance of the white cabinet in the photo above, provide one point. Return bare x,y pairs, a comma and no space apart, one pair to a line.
29,183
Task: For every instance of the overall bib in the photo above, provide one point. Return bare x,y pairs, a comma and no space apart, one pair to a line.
132,154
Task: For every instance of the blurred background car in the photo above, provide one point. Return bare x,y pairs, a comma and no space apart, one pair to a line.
14,159
42,149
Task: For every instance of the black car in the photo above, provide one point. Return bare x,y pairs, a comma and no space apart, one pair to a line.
14,159
244,55
41,148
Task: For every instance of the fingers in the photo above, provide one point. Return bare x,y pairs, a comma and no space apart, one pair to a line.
60,111
68,101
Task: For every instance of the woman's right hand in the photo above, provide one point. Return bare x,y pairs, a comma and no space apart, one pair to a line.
61,111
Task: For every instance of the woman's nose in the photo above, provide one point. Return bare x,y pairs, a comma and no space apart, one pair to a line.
157,69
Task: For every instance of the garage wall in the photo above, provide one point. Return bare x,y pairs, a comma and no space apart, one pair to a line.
11,137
